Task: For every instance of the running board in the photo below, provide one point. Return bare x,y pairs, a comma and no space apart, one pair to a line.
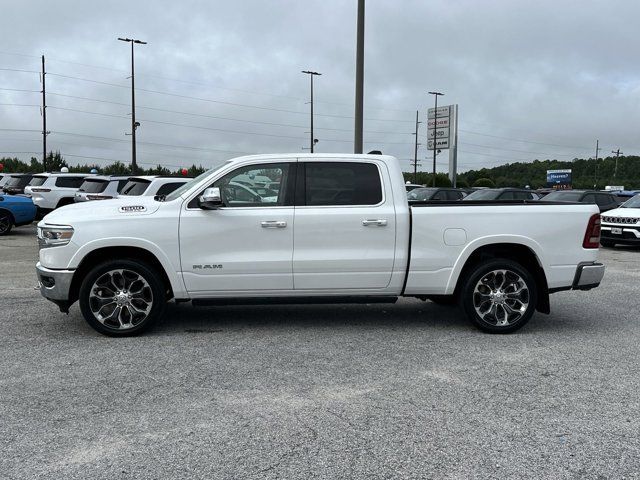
206,302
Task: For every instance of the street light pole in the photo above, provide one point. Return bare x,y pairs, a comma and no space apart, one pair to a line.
134,124
359,103
311,74
435,127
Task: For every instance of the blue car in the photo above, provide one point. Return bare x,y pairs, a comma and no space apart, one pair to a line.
15,210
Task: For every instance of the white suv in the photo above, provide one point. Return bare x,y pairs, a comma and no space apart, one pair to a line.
52,190
150,185
100,187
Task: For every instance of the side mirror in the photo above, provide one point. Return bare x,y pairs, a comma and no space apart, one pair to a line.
210,199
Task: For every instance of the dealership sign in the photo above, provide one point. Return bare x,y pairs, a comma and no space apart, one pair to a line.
438,128
559,178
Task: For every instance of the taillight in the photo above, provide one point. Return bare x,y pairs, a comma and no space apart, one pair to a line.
592,235
98,197
40,190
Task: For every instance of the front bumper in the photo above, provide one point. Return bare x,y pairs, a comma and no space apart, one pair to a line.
55,285
627,236
588,276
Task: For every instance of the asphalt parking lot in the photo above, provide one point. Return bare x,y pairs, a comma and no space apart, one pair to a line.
382,391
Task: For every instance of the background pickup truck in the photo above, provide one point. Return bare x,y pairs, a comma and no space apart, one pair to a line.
329,228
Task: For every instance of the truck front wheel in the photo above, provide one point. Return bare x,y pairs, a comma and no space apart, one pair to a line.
499,296
122,297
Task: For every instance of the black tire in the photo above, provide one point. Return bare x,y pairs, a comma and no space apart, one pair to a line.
444,300
6,223
110,285
607,243
522,304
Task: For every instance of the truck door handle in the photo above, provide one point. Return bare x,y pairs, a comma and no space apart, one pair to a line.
374,223
273,224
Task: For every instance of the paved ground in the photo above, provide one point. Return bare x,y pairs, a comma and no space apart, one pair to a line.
404,391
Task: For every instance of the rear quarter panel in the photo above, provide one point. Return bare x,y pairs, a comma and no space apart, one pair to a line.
444,237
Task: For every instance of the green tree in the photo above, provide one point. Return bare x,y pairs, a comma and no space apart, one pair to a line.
484,182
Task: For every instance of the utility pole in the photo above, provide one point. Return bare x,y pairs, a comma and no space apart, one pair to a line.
435,128
44,120
311,74
595,184
618,153
415,152
134,124
357,138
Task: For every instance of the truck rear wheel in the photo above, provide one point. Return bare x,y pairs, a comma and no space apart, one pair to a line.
122,297
499,296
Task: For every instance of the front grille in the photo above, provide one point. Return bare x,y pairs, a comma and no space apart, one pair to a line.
620,220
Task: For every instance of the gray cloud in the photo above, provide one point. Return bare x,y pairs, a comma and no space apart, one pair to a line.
533,79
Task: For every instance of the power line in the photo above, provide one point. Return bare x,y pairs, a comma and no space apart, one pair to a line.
18,70
121,140
20,90
158,92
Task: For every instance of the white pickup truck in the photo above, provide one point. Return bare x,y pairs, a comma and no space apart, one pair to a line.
329,228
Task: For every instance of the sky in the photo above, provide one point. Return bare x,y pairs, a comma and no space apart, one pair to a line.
219,79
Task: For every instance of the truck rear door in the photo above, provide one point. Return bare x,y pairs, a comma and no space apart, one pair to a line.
345,226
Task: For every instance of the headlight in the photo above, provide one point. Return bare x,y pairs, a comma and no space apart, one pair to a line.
54,236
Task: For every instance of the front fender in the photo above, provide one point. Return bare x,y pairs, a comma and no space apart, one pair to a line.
177,284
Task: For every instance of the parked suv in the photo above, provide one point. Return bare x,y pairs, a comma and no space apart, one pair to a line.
16,183
604,200
502,194
152,185
622,225
423,194
52,190
100,187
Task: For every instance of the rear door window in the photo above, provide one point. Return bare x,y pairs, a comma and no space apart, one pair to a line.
69,182
440,195
604,200
342,183
121,185
506,196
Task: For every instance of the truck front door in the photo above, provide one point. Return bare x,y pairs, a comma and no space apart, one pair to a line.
247,244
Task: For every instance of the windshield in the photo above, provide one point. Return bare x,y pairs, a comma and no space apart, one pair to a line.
135,187
93,186
37,181
487,194
191,183
421,193
563,197
633,202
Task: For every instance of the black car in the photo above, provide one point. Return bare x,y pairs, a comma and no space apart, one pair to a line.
434,193
604,200
502,194
17,182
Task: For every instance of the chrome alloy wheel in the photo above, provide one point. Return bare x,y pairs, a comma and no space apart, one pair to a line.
120,299
501,297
